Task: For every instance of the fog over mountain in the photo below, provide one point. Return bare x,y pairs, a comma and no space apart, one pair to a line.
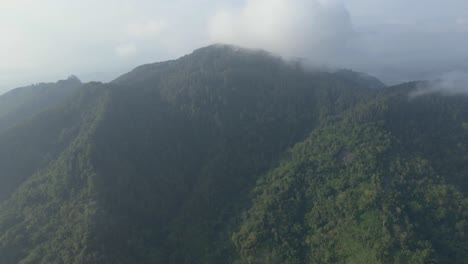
394,40
451,83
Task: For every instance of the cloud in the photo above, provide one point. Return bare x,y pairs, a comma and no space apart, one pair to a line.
388,39
451,83
126,50
461,21
149,28
294,28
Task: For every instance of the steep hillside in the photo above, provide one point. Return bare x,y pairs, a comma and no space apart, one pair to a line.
353,193
33,143
49,218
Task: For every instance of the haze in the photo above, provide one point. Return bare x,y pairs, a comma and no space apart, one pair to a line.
98,40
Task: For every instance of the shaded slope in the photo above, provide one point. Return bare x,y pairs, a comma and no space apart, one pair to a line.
34,129
51,217
32,143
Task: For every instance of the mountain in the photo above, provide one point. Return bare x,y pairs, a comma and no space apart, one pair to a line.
366,188
23,103
360,78
229,155
34,128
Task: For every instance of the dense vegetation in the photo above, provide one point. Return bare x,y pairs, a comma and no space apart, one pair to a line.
234,156
351,193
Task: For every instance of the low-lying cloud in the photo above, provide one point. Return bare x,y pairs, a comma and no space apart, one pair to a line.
451,83
295,28
400,47
145,29
126,50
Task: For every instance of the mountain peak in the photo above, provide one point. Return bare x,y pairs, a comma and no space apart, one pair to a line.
211,57
71,80
221,48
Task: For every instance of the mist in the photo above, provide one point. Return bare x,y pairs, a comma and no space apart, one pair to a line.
397,49
451,83
317,30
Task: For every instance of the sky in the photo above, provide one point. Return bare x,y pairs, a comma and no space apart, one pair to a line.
395,40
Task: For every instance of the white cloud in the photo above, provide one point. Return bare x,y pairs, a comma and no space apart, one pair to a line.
126,50
149,28
462,21
315,28
450,83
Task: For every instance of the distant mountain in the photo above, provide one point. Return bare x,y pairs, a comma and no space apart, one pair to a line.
230,155
22,103
359,78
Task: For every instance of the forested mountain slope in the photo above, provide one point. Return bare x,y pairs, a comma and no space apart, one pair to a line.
354,192
230,155
31,123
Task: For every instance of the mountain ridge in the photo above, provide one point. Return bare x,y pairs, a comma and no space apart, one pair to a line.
219,156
